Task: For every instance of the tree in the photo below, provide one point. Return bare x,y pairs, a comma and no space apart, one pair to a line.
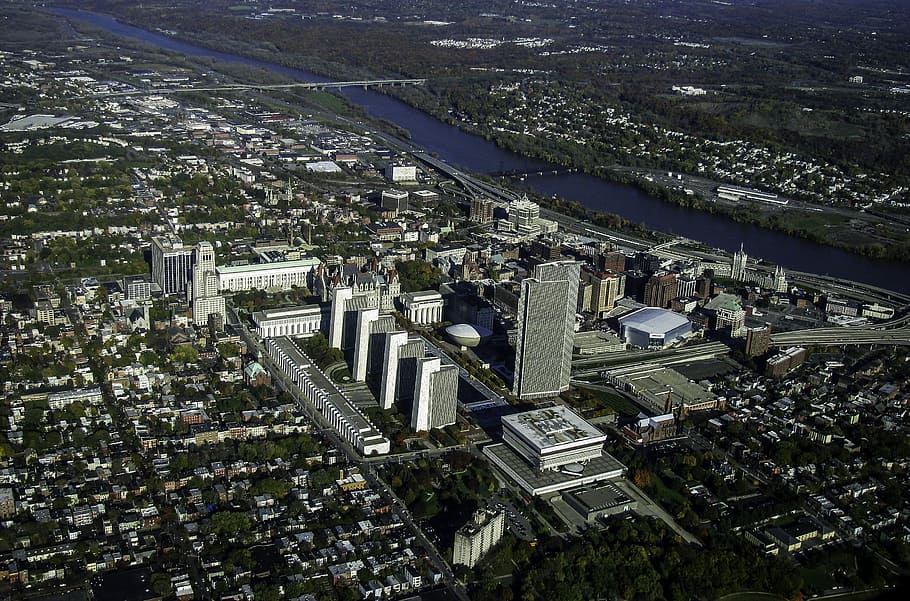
229,349
148,358
642,478
230,523
184,353
417,275
161,584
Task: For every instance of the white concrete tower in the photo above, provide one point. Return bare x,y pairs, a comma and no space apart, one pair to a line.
393,343
362,343
340,296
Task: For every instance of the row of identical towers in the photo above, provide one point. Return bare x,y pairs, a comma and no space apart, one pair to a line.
392,361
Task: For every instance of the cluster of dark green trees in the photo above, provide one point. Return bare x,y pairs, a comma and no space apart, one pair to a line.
417,275
428,490
635,560
317,348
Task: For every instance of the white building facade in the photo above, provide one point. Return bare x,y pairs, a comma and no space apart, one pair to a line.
422,308
302,321
283,275
477,537
435,395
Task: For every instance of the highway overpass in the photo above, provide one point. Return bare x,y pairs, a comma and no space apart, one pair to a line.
590,366
843,337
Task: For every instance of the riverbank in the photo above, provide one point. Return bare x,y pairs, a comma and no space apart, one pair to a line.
854,234
864,235
475,154
857,237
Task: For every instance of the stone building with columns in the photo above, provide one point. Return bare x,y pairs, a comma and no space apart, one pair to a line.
299,321
422,308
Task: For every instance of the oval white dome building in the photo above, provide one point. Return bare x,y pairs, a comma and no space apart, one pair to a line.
466,334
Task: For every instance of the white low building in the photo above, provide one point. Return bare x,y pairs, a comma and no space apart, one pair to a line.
422,308
301,321
553,437
283,275
323,396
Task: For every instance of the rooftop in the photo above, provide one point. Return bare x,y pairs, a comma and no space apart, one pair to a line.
286,312
599,497
308,262
551,427
422,295
653,319
727,302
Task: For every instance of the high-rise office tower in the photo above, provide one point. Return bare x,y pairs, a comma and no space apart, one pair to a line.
346,304
703,284
204,265
546,330
172,263
206,299
523,213
435,395
340,295
387,388
685,286
740,260
606,289
376,348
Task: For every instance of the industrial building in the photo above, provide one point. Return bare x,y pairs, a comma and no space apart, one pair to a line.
600,500
401,173
597,342
663,389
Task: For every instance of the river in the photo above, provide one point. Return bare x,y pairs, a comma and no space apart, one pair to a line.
474,153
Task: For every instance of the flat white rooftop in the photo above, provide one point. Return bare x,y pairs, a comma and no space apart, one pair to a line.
653,320
286,312
553,428
309,262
